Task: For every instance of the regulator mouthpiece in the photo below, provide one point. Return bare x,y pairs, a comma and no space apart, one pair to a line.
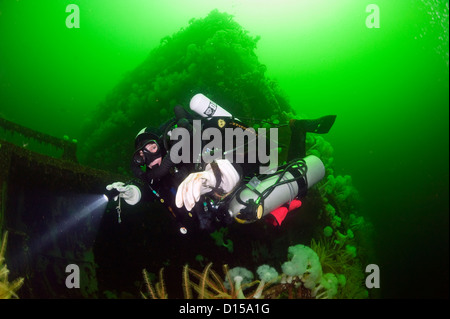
143,157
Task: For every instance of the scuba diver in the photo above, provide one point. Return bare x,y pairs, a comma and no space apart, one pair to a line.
207,188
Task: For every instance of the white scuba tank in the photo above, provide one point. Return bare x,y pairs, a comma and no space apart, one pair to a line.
204,107
281,194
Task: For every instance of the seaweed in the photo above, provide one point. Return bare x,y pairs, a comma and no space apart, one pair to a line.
8,288
157,292
345,278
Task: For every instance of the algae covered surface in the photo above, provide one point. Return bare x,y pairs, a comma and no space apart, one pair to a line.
381,67
214,55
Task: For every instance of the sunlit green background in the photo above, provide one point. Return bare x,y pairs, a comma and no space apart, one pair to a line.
388,86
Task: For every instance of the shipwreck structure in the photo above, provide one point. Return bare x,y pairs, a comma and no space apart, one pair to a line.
50,207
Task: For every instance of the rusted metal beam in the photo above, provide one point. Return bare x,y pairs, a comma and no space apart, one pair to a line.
69,147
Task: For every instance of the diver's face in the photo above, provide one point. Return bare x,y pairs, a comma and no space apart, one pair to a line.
152,148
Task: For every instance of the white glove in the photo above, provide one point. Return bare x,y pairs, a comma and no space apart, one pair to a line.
197,184
130,193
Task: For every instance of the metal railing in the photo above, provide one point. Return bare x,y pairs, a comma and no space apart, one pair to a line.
69,147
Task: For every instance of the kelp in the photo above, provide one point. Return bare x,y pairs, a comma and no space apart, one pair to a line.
154,292
8,288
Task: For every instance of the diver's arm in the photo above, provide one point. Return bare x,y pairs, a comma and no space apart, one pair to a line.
156,172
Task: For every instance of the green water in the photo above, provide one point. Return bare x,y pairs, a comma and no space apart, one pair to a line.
388,86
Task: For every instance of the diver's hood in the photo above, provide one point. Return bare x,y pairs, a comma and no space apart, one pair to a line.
145,136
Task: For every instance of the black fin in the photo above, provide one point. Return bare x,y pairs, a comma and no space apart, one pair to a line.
299,128
321,125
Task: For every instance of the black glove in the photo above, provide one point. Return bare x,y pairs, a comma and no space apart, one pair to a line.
154,173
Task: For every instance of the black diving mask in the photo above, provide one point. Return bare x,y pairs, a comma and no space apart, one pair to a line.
146,157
